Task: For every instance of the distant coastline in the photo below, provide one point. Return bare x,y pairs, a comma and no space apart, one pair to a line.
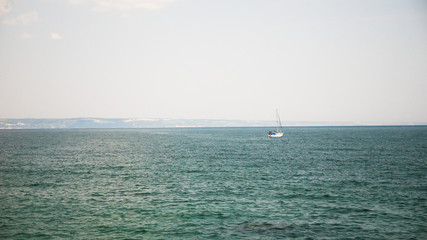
75,123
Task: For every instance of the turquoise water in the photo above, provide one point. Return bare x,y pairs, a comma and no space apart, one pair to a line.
218,183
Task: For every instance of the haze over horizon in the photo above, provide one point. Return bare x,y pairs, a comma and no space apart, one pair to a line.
329,61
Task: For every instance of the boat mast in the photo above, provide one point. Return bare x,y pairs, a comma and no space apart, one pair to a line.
278,122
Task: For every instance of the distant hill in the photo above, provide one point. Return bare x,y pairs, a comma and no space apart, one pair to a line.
34,123
31,123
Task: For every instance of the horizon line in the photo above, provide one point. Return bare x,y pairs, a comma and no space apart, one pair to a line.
200,127
147,123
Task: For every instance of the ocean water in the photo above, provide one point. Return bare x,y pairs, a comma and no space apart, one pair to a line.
214,183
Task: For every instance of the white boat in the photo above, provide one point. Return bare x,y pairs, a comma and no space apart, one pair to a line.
278,133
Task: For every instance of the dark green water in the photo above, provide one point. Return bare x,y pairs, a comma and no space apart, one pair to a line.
225,183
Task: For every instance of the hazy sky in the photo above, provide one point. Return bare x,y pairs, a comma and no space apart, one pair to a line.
314,60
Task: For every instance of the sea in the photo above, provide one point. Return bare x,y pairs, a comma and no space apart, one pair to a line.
214,183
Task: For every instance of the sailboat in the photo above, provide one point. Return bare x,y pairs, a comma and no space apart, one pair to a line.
278,133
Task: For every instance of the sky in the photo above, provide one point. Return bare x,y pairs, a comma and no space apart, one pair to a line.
314,60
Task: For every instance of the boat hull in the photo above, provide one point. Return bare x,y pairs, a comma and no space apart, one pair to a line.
276,135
